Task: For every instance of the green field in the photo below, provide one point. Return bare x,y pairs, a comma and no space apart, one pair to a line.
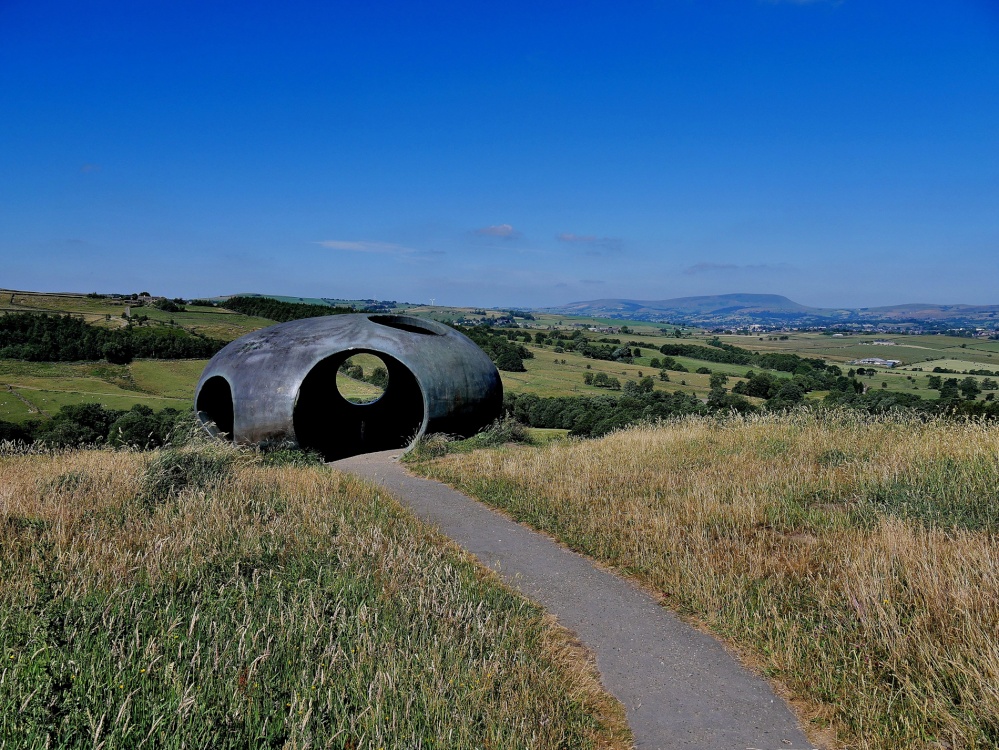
39,389
210,321
911,350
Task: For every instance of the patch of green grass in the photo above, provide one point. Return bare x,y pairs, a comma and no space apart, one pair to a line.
175,378
13,409
220,324
50,401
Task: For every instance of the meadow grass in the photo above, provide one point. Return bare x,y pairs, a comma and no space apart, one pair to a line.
175,378
50,385
49,401
198,598
853,560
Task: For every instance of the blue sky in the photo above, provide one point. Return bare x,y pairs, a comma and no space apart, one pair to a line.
841,153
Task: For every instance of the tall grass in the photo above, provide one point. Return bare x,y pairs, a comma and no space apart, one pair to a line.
855,560
198,598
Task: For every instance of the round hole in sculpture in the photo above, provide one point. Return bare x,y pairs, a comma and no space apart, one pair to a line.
362,378
215,406
328,422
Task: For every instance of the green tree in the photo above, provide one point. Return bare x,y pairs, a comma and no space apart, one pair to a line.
969,388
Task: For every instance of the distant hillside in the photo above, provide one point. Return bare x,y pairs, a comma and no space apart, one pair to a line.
774,309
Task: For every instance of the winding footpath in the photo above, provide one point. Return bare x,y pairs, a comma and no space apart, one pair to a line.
680,688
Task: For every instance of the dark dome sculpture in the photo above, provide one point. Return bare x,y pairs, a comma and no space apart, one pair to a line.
278,385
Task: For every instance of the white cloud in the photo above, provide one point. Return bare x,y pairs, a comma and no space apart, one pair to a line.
498,230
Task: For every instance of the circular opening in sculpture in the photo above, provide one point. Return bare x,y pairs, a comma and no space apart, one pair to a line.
362,378
327,421
214,405
410,324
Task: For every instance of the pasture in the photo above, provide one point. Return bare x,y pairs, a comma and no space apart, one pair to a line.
35,389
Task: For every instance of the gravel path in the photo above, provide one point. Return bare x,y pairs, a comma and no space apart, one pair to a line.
680,688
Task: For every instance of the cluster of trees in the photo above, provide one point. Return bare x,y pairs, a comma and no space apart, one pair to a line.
378,376
602,380
63,338
282,312
969,388
950,403
733,355
505,354
170,305
603,349
592,416
94,424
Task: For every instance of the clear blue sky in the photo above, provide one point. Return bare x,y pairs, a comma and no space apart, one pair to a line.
842,153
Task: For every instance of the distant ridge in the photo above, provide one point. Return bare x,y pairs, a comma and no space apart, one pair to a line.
775,309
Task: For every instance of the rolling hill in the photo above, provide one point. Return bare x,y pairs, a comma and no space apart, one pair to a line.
775,309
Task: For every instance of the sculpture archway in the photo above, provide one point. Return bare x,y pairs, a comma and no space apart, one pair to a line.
281,385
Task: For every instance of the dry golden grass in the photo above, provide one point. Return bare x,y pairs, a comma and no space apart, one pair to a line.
853,560
196,598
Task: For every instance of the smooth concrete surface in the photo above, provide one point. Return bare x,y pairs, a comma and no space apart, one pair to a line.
680,688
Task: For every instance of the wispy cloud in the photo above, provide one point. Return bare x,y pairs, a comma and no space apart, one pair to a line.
505,231
364,246
593,243
699,268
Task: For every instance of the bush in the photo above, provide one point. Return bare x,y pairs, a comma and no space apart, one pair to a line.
173,470
142,428
503,430
429,446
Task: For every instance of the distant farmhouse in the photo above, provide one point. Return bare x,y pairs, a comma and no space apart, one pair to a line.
877,361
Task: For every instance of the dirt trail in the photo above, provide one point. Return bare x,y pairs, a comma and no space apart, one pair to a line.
681,689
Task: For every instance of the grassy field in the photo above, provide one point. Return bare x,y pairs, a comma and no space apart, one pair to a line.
552,373
210,321
199,598
852,560
38,388
34,390
914,350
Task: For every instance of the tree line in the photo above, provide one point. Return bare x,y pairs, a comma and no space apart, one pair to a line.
77,425
63,338
505,354
282,312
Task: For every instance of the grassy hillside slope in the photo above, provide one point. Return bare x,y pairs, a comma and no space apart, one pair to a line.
854,560
197,598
